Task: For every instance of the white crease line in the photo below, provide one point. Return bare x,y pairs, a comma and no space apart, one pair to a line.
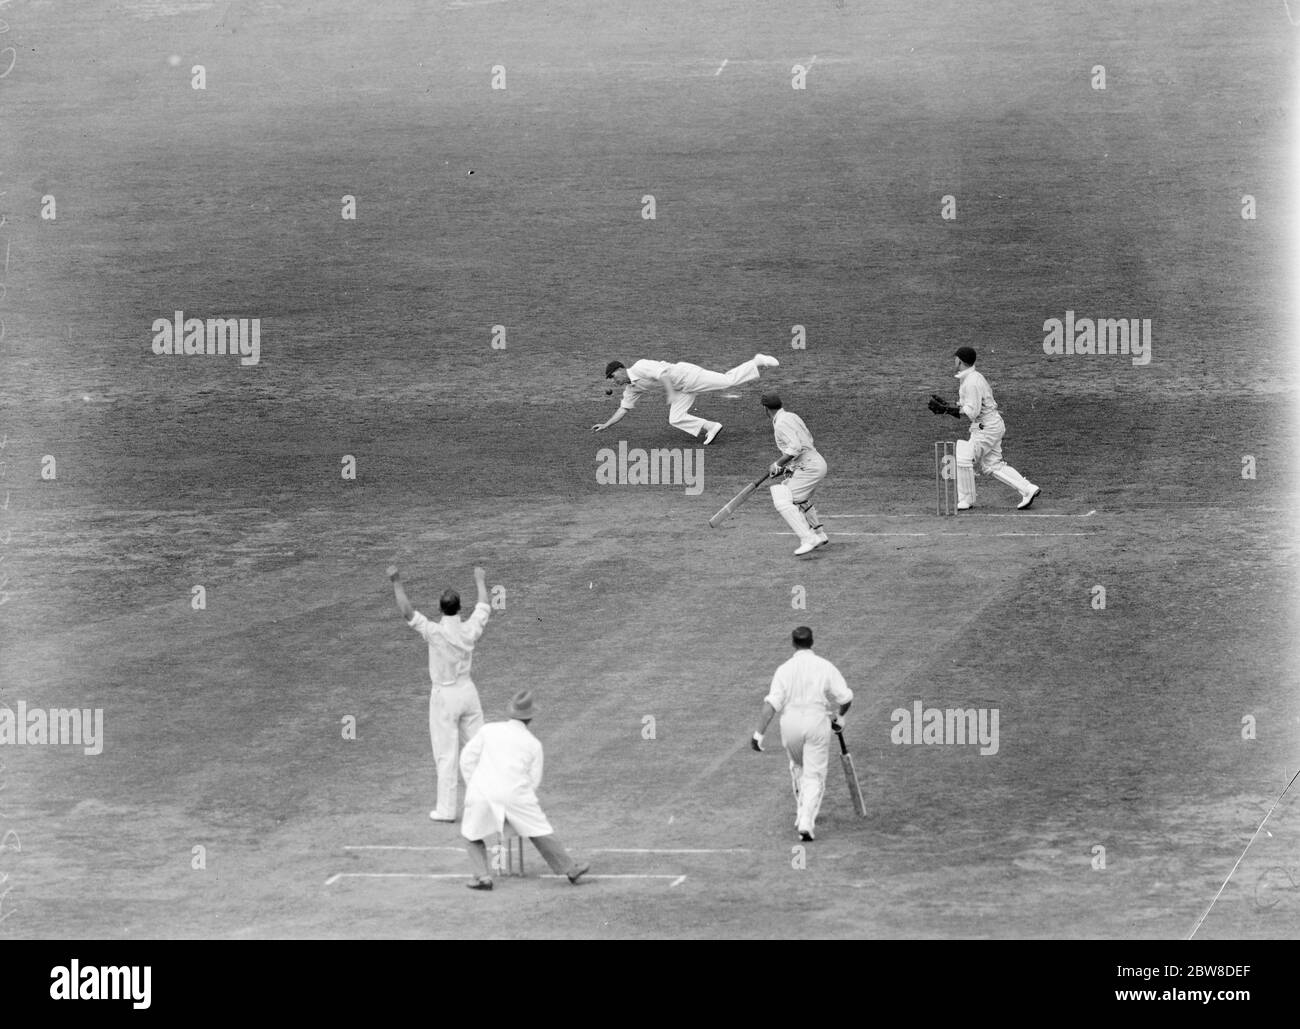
677,879
629,875
983,535
723,65
967,514
394,875
597,850
652,850
387,846
870,534
1025,534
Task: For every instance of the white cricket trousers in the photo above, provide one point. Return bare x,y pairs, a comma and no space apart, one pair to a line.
455,715
683,381
806,736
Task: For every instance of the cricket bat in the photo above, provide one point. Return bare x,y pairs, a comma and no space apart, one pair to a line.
851,774
737,500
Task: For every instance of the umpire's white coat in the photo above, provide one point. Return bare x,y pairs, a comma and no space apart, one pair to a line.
502,766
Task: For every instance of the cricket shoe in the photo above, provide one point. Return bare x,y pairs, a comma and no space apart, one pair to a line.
1027,499
712,434
822,538
434,816
807,548
964,507
578,873
480,882
766,361
806,835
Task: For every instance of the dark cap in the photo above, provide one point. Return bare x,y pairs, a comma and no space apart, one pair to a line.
802,636
967,354
770,401
611,368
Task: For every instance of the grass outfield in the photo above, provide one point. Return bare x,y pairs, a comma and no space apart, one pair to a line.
1120,728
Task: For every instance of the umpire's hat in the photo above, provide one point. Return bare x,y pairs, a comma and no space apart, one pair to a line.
521,705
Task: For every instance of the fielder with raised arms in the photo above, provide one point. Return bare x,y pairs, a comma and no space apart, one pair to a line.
455,713
975,402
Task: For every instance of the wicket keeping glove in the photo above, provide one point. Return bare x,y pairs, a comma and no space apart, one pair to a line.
940,406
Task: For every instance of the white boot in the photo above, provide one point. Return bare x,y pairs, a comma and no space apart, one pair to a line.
815,524
1019,483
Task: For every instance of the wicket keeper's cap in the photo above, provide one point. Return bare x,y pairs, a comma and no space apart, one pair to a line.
611,368
521,705
967,354
802,636
771,401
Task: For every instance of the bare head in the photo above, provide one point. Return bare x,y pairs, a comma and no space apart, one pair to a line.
449,602
771,404
802,638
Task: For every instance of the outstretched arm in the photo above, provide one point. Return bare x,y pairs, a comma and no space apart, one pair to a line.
617,416
403,604
480,580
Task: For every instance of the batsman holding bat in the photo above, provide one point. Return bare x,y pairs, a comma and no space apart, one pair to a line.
806,467
812,698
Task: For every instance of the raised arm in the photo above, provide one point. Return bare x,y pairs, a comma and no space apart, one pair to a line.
403,604
480,580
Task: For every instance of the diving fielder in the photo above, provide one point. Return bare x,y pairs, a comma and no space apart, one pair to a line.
793,498
812,698
682,383
975,401
455,713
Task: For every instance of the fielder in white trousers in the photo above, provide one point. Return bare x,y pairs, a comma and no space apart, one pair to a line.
455,712
809,693
682,383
